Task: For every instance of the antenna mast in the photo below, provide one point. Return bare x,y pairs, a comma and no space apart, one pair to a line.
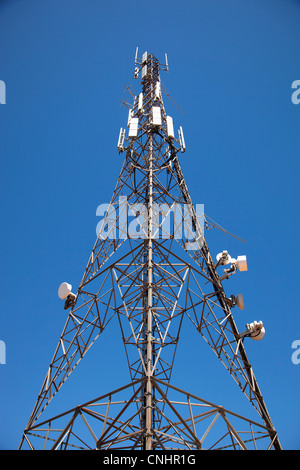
151,274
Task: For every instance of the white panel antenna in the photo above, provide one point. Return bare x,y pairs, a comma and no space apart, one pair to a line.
144,62
181,140
144,71
241,263
133,127
156,116
121,140
140,104
144,57
157,90
129,117
170,127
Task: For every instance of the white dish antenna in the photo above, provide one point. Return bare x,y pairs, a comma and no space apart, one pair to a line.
239,301
224,257
64,290
258,330
236,300
255,330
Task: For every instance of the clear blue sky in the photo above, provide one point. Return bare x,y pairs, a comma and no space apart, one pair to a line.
65,64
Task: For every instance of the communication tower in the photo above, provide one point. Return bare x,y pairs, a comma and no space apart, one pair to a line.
151,274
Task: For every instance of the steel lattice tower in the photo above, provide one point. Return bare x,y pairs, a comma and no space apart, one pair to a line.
151,274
